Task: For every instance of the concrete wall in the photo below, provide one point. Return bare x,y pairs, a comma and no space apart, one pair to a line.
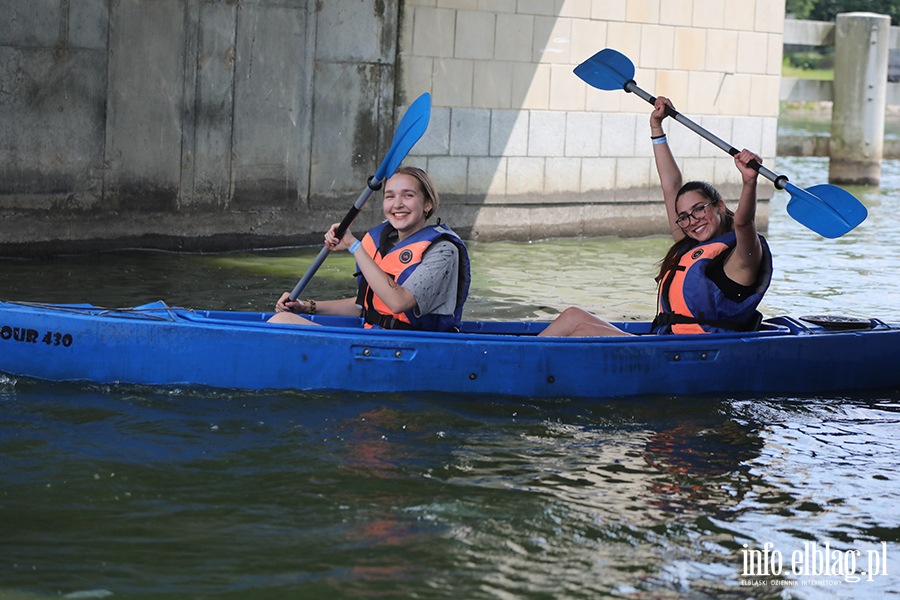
214,124
191,124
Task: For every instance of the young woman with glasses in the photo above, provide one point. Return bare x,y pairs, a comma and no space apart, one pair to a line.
715,274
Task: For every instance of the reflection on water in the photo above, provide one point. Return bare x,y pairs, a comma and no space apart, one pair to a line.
806,123
666,494
855,274
149,492
612,277
819,123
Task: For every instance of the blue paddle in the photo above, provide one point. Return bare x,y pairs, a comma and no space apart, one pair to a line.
412,126
826,209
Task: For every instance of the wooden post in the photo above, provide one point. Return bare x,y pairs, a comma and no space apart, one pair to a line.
860,88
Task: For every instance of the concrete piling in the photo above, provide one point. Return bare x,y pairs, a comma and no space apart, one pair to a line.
860,88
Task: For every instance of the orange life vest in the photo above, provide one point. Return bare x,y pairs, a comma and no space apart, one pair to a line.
688,302
399,262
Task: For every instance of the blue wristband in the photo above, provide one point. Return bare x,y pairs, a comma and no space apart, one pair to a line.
355,245
659,140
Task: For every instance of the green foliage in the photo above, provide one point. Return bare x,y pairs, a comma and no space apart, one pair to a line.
827,10
811,58
789,70
818,62
800,8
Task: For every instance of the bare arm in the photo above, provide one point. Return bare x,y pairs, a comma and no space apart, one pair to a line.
342,308
669,174
742,265
395,297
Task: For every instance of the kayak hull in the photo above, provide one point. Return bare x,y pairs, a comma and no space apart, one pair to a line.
158,345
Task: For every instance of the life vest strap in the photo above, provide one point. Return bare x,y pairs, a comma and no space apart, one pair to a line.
373,317
667,319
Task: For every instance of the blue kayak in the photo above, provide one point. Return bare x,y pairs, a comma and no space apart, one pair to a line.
156,344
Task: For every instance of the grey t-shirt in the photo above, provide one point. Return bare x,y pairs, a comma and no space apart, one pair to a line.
434,283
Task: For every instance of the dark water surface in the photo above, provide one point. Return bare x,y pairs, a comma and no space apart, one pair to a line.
139,492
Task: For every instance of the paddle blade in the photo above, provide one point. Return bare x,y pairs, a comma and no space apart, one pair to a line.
826,209
606,70
412,126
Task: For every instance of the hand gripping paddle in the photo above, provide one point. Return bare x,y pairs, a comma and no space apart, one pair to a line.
412,126
826,209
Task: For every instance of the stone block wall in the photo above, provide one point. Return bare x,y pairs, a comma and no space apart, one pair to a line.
522,148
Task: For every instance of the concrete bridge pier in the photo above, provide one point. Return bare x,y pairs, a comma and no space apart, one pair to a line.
860,89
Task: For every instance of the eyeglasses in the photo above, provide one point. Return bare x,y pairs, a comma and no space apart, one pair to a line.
685,219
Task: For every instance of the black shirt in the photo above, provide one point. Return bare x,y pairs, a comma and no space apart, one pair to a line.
735,292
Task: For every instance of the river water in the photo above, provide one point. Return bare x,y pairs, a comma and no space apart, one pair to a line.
135,492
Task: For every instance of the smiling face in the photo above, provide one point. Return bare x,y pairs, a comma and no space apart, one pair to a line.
405,204
710,221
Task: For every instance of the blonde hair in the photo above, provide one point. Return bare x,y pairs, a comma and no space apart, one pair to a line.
425,184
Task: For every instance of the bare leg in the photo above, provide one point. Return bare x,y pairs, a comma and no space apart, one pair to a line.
291,319
575,322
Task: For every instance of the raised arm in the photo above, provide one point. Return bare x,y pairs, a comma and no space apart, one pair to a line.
666,167
742,265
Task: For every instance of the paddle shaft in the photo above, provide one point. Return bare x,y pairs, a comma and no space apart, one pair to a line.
410,129
780,181
371,187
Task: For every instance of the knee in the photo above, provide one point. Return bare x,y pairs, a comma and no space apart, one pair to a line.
290,318
573,314
585,329
599,328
